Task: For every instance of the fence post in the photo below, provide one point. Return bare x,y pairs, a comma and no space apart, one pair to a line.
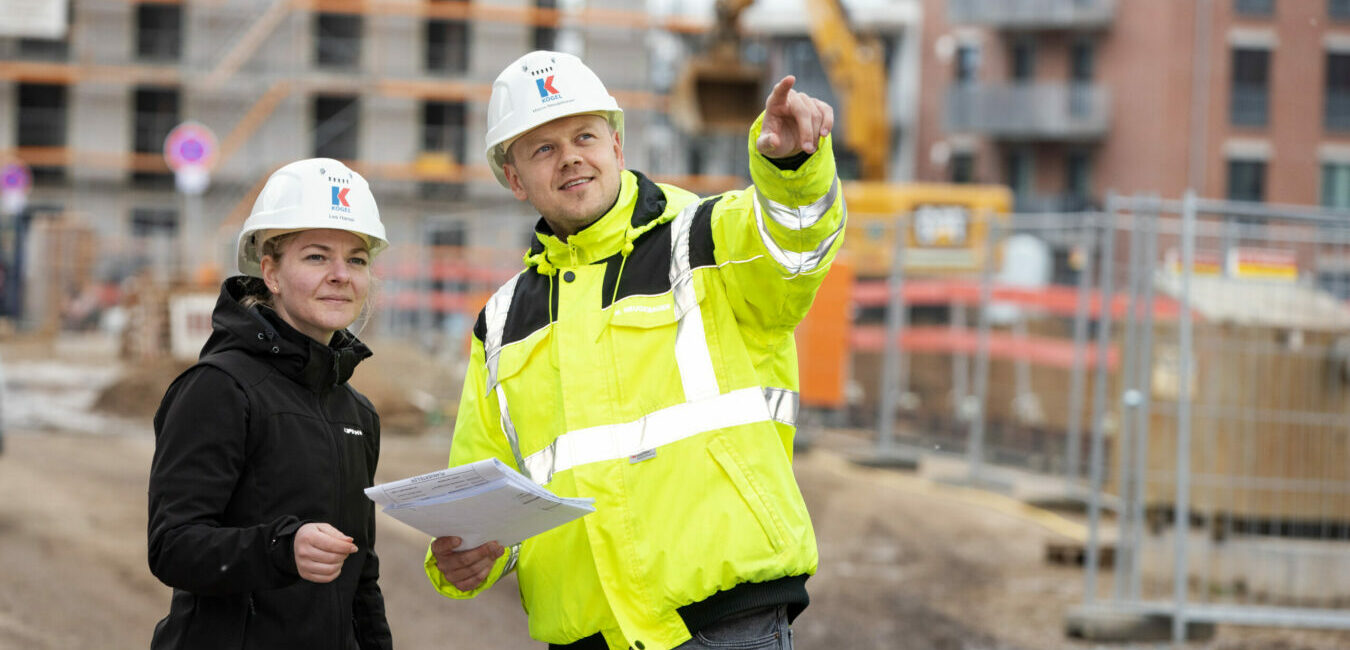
1143,425
1182,509
894,369
1078,374
1126,554
1099,406
975,446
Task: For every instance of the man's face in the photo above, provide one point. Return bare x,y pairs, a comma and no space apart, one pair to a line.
568,169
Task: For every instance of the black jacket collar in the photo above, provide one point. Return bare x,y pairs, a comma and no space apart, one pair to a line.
261,333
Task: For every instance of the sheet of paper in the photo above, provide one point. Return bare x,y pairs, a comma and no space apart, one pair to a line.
480,502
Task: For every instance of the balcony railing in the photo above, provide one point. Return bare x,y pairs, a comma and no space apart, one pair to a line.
1042,111
1032,14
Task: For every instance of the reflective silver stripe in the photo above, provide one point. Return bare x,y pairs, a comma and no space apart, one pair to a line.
783,405
511,559
494,316
794,262
803,217
509,428
654,430
691,344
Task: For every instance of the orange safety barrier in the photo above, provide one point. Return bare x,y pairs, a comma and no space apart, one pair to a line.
1055,299
1039,350
823,340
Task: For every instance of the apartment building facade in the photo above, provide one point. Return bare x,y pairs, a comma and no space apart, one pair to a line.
1065,100
396,88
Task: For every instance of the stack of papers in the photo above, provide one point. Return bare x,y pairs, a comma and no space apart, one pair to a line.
482,502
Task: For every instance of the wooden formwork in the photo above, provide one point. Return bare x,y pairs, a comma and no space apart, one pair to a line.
60,264
1269,426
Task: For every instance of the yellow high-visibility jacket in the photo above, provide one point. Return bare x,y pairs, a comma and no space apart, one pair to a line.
649,362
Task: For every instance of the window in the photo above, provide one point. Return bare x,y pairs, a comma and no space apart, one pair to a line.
336,122
1247,180
1336,185
44,49
154,222
1023,58
1082,61
156,113
546,37
967,62
42,115
1254,7
1338,9
962,167
337,40
1078,178
42,123
1337,109
447,46
443,128
1020,173
443,132
1248,105
159,31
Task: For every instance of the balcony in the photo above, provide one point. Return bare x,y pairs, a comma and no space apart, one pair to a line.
1032,14
1041,111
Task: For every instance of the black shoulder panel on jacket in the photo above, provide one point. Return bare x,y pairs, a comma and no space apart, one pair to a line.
531,306
480,325
650,203
700,235
647,271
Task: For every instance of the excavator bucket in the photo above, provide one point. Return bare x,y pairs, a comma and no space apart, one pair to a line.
714,95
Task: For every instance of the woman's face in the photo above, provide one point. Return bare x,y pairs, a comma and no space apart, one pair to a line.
320,282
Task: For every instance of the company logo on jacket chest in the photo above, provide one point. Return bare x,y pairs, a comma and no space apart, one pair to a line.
352,432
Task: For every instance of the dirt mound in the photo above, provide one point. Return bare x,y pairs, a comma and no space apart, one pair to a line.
412,391
137,392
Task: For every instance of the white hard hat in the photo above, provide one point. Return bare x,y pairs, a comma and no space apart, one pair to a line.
311,193
541,87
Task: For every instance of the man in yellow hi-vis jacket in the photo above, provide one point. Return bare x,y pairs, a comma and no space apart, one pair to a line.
645,358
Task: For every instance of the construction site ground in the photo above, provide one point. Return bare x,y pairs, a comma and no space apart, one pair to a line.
906,562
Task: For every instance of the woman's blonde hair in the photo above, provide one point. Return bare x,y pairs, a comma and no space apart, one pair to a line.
256,291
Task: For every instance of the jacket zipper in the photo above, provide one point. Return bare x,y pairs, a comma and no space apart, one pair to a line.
340,458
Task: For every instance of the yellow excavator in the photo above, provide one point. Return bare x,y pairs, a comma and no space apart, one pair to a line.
946,226
719,92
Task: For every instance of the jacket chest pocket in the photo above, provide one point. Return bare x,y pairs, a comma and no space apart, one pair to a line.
642,334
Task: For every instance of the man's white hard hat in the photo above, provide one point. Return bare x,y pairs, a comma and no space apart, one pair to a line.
540,87
311,193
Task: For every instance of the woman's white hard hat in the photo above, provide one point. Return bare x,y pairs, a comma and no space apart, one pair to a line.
311,193
540,87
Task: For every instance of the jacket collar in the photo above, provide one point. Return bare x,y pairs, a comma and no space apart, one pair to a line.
260,332
640,201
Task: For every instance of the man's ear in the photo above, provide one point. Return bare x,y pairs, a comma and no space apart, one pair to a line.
513,179
618,148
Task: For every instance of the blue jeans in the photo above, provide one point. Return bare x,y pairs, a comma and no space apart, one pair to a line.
758,629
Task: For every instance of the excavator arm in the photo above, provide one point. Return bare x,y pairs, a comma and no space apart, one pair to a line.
857,72
717,91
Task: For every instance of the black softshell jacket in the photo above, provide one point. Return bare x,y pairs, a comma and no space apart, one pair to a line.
262,435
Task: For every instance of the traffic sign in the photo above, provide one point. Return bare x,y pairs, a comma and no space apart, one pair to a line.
15,181
190,151
190,144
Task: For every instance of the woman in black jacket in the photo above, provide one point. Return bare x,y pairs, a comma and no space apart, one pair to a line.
262,450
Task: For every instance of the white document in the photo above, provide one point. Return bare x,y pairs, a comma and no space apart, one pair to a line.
480,502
